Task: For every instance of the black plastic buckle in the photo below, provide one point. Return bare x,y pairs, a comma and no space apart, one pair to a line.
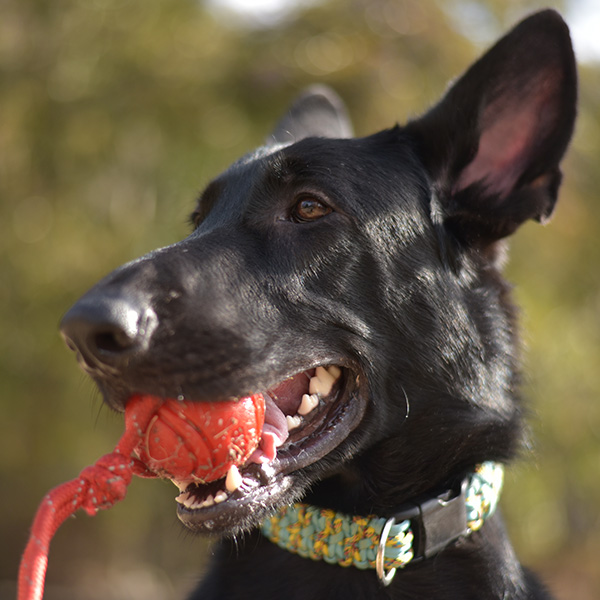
437,522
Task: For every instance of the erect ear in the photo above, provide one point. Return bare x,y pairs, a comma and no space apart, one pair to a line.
318,112
494,143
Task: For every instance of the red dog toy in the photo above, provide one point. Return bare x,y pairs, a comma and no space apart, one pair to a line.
163,438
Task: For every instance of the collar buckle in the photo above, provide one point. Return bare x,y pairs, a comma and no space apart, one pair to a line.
441,520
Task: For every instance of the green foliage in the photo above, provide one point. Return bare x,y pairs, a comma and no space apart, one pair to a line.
113,114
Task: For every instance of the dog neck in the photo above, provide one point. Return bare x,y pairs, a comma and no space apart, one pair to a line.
417,531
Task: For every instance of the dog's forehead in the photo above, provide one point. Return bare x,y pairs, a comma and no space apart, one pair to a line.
272,158
347,170
232,189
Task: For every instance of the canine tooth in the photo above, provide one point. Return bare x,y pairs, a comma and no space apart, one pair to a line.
309,402
334,371
293,422
233,479
220,496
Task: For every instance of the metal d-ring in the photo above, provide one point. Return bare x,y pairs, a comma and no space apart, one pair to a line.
386,578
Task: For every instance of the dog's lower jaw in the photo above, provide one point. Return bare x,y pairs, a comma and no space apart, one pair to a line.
243,509
269,484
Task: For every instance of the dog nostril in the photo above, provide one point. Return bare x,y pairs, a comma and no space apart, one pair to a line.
107,330
113,342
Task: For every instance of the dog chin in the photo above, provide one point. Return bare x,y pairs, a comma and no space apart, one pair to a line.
307,417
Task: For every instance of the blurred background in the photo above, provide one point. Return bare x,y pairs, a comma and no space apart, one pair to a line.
115,113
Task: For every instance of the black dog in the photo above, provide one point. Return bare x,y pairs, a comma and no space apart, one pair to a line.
379,259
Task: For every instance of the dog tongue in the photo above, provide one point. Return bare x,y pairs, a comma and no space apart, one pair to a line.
279,402
274,433
198,441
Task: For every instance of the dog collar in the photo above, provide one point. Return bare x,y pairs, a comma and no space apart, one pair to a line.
417,531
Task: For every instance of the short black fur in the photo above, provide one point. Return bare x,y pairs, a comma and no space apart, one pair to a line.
396,280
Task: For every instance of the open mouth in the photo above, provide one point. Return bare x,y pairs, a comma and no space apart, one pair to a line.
306,417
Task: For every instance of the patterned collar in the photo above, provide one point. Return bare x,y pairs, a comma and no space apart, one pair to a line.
416,532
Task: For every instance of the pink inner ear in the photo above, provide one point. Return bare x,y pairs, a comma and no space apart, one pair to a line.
511,131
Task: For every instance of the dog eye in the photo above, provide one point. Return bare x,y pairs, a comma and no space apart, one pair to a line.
309,209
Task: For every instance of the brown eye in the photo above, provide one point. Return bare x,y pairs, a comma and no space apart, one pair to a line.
309,209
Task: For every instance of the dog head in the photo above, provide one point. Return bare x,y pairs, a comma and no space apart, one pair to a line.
363,272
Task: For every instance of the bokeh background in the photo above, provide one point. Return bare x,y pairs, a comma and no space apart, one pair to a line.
115,113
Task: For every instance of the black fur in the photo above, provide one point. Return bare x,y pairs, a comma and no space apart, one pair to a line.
397,280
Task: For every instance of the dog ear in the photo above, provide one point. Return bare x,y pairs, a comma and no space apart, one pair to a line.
318,112
494,143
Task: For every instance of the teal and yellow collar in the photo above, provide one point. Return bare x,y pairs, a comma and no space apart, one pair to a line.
417,531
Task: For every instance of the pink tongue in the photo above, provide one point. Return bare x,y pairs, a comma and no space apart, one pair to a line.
274,433
279,402
275,419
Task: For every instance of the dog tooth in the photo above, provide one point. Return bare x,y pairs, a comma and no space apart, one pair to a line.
187,499
321,383
208,502
192,502
314,386
293,422
182,498
233,479
308,404
334,371
220,496
324,374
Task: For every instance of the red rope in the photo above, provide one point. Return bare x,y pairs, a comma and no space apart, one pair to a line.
179,431
98,486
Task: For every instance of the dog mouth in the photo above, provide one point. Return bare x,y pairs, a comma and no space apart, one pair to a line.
307,416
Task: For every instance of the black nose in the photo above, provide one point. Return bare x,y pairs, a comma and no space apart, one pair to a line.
108,330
